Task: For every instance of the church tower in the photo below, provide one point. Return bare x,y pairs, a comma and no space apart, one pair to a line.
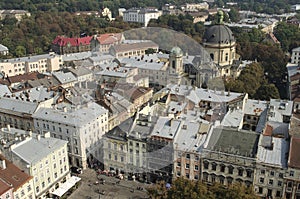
175,60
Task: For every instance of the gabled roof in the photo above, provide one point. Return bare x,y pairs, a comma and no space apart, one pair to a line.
109,38
63,41
3,48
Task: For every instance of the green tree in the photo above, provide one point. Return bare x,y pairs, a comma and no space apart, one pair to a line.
234,15
20,51
267,91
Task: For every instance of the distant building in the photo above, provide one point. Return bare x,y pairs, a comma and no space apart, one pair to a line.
64,45
295,7
107,13
132,49
18,14
141,15
102,42
195,6
295,59
3,50
38,63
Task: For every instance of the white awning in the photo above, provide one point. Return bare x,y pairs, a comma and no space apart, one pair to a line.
66,186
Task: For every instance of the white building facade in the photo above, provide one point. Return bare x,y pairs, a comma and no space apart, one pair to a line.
82,127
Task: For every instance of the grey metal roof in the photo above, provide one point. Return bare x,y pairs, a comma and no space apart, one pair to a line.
79,71
190,137
34,150
166,127
34,58
255,107
74,117
200,94
233,118
276,155
76,56
37,94
233,141
218,34
15,105
64,77
4,90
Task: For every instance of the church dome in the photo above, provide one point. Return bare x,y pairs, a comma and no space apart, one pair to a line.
176,51
218,34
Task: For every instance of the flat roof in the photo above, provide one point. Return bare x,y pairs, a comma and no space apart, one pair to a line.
166,127
276,155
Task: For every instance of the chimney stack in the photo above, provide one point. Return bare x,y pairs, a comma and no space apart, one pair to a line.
3,164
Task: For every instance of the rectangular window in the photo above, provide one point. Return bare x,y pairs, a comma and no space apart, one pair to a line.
187,175
187,166
196,167
270,182
272,173
279,183
188,156
292,173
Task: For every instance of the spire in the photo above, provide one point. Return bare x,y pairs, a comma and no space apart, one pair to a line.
220,17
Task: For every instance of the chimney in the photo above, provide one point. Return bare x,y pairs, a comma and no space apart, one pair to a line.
8,127
3,164
47,134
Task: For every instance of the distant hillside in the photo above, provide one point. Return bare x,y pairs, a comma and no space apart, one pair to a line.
268,6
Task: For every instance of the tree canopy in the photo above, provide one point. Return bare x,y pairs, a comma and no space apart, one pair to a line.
184,188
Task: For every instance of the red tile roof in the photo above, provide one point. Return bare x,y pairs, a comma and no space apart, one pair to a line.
63,41
294,160
109,38
21,78
13,175
4,187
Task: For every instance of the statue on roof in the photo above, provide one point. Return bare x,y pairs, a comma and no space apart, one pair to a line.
220,17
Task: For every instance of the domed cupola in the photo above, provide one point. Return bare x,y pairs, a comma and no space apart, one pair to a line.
220,43
219,33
